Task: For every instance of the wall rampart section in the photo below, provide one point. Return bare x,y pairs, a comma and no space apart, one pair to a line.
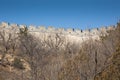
70,31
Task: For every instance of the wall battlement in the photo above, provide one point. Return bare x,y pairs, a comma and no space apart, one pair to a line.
71,31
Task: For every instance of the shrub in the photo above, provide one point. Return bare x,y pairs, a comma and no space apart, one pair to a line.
18,63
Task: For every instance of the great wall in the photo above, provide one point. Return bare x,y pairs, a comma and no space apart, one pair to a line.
71,34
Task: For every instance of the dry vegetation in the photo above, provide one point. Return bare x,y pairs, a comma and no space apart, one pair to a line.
30,58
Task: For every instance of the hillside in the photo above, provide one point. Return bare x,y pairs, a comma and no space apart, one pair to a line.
30,53
112,72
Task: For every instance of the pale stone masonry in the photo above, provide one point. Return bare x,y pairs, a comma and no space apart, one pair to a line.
72,35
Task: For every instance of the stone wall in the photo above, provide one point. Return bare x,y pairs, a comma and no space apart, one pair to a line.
71,34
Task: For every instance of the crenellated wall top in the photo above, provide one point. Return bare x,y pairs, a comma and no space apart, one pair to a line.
32,28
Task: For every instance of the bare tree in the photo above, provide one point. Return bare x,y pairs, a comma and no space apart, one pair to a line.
54,41
8,41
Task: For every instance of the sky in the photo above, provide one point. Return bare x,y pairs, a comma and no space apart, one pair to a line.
78,14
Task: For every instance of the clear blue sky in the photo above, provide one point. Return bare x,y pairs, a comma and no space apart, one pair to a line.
61,13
